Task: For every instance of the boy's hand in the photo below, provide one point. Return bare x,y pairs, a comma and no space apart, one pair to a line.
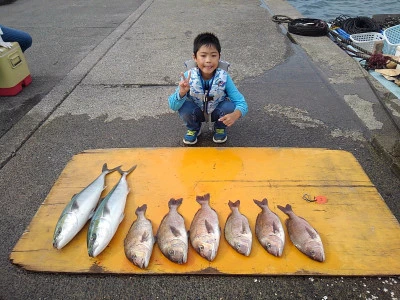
231,118
184,86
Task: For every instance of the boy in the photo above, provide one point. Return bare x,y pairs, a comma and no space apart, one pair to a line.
207,90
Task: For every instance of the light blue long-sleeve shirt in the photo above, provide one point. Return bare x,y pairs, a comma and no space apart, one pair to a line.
176,102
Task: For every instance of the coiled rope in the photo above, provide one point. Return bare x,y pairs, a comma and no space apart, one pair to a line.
356,25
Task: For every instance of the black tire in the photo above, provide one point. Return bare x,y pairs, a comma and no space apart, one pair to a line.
308,27
5,2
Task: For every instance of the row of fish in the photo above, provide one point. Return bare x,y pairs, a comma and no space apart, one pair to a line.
105,219
172,236
204,234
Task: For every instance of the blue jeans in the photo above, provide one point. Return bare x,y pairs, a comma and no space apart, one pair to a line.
14,35
193,116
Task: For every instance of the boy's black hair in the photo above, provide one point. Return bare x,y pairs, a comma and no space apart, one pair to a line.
206,39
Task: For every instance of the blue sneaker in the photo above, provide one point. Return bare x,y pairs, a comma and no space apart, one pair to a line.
190,137
220,135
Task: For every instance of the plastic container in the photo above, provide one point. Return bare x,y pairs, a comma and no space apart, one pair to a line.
392,39
14,71
366,40
342,33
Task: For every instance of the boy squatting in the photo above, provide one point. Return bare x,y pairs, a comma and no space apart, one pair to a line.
207,89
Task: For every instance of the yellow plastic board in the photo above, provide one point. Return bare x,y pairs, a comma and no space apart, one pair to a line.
360,234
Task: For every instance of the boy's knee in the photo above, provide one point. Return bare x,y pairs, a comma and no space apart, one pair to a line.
25,42
28,41
227,107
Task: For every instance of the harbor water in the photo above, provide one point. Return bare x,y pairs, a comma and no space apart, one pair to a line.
330,9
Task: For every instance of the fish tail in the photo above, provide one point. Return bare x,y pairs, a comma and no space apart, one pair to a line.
141,209
203,199
126,172
257,202
262,203
175,202
105,168
287,209
235,204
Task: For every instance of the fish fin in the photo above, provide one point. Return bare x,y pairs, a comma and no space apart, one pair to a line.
311,233
287,209
244,228
257,202
234,204
275,228
106,169
209,228
131,169
120,170
121,217
175,202
175,231
203,199
91,214
75,205
125,172
106,210
140,209
101,199
145,236
264,201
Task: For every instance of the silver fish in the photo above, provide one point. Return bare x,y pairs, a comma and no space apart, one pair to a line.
303,235
108,216
79,210
269,229
139,241
172,237
205,232
237,230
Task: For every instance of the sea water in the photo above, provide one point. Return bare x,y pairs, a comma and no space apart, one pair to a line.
328,10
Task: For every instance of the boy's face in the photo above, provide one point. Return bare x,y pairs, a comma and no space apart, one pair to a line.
207,59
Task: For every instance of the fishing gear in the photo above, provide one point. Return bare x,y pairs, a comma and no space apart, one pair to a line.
303,26
360,25
376,57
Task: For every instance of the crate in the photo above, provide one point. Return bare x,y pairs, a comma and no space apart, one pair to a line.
392,39
366,40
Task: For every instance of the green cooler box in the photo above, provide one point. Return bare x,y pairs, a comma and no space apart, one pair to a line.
14,72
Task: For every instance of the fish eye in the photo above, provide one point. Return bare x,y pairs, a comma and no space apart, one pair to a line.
238,245
268,245
93,237
171,252
201,248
